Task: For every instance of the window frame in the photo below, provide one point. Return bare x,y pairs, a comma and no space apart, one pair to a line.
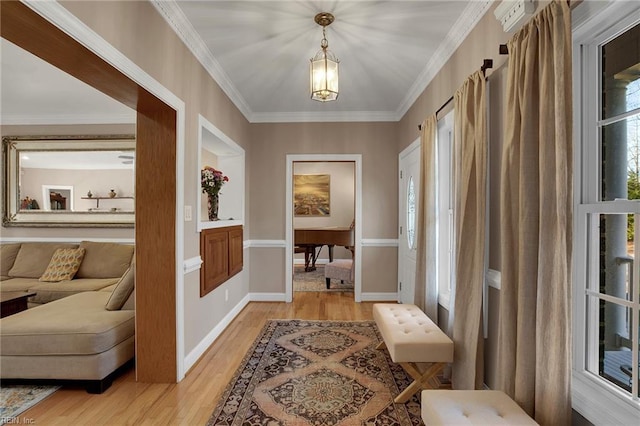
445,124
594,24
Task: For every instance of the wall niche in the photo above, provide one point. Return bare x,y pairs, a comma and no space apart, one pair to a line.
217,150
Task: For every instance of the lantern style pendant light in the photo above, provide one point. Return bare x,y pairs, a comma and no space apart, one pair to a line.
324,66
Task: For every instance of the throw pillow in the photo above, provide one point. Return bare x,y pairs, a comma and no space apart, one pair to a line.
33,258
8,254
123,290
63,265
105,260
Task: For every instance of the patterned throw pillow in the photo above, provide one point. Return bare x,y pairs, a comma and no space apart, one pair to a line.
63,265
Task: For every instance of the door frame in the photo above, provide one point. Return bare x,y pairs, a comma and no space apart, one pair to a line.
357,160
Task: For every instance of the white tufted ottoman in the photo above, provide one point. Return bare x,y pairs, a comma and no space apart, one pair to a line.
471,407
412,338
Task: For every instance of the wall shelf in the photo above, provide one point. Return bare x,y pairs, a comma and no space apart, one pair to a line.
105,198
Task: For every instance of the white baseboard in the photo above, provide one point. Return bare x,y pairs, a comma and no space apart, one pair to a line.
193,356
379,297
267,297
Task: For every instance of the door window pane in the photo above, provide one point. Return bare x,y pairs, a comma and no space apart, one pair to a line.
411,214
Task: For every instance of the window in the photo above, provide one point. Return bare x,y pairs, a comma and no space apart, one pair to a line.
411,214
445,202
607,191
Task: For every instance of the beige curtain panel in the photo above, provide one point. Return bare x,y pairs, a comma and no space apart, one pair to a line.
470,150
426,286
536,219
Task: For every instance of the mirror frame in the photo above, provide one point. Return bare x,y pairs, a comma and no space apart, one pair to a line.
12,216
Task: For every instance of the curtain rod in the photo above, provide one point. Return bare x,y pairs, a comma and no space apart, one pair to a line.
504,50
486,64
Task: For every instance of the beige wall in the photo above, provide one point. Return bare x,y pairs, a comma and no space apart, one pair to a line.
271,143
98,181
376,142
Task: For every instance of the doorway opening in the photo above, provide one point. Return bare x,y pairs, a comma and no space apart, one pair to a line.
324,199
323,224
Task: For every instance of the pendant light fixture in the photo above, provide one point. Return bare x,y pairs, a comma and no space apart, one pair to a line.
324,66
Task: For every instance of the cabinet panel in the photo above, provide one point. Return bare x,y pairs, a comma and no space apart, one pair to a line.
214,248
235,251
221,253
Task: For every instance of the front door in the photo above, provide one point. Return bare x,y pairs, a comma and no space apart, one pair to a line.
409,165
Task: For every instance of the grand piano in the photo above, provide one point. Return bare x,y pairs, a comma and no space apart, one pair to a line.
311,241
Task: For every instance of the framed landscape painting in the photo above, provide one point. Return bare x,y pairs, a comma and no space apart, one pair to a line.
311,195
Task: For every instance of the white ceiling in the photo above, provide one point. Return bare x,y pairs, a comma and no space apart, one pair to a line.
258,51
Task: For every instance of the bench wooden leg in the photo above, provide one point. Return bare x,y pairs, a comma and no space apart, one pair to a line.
421,381
381,345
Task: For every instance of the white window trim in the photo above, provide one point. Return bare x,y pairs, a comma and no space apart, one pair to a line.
594,398
444,294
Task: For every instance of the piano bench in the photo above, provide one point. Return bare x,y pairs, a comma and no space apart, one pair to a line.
339,269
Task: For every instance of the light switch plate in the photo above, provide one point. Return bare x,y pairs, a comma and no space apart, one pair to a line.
187,214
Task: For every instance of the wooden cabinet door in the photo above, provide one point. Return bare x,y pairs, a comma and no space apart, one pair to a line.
214,249
235,250
221,253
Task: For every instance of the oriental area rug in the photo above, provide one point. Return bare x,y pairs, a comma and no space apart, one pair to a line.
314,280
16,399
317,373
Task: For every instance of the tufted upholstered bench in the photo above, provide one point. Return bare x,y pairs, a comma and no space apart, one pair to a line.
471,407
412,338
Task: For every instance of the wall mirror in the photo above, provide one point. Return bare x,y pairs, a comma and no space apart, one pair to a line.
69,181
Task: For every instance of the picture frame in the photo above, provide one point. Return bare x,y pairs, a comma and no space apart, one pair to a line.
312,195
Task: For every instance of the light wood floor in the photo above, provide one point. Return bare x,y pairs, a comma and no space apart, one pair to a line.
190,402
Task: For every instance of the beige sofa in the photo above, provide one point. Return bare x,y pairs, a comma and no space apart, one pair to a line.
68,333
22,264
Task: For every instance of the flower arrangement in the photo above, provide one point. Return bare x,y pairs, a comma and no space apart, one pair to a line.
212,180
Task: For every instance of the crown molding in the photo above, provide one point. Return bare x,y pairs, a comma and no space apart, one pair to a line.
43,119
459,31
323,117
173,15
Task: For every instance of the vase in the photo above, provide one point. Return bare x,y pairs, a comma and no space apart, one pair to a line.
212,206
